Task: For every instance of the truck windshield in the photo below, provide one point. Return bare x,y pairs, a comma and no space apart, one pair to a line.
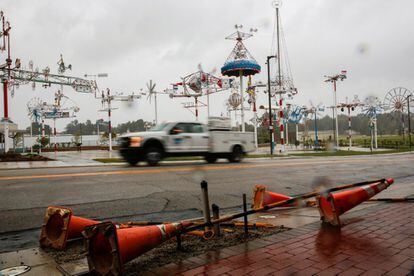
159,127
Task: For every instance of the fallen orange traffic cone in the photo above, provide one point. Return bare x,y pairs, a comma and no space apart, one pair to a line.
261,197
109,248
335,204
60,225
206,234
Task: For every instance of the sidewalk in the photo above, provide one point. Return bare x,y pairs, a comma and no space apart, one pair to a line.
378,240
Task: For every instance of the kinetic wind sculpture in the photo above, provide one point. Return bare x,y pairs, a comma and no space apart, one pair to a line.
107,98
196,85
372,107
62,108
296,116
13,76
240,63
396,101
152,93
350,107
282,84
315,111
334,79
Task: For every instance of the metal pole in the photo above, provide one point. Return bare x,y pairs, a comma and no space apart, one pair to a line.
409,121
216,215
97,132
336,116
156,110
287,132
375,133
206,204
242,101
54,134
271,137
316,133
333,125
208,104
109,125
349,129
256,144
6,117
31,137
296,134
246,223
43,132
196,108
279,71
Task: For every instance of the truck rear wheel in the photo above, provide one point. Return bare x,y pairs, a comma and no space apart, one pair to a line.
153,155
236,155
210,158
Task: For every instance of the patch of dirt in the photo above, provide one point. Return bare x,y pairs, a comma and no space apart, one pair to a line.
16,157
167,252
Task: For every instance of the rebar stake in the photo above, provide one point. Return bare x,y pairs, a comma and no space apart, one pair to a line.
179,247
206,204
216,215
246,228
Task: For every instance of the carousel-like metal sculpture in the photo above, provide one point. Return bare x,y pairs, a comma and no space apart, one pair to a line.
240,63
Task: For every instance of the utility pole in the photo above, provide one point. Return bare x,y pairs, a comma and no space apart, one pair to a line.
271,137
334,79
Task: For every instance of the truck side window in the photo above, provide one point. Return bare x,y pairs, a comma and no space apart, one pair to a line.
197,128
185,128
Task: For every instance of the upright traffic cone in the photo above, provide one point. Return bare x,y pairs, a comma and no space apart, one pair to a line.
261,197
109,248
61,225
335,204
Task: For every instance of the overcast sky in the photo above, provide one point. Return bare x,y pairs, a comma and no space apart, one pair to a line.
135,41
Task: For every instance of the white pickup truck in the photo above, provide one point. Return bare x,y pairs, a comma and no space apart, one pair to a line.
186,139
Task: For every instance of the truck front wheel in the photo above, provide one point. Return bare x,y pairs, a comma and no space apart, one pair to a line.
210,158
153,155
236,155
132,160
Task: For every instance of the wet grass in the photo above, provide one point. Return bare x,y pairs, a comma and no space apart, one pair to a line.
305,154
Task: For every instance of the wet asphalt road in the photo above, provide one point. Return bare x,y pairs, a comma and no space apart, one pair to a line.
172,191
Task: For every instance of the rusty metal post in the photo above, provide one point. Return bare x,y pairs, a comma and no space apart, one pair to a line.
179,246
206,204
246,224
216,215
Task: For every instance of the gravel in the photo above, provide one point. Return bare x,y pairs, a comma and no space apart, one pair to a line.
167,252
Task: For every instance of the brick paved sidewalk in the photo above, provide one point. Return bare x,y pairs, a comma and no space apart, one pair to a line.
374,241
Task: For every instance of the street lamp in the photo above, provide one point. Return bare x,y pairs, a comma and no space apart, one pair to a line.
272,142
334,79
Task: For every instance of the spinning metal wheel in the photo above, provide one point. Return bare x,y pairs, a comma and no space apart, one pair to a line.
396,99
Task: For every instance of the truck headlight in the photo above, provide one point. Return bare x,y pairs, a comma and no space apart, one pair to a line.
135,142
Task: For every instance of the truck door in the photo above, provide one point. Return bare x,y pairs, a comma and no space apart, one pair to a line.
180,138
200,137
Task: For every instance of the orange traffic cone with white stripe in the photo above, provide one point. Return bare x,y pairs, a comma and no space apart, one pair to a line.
335,204
109,248
261,197
60,225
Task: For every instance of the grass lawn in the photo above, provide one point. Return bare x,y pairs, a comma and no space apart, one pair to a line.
345,153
